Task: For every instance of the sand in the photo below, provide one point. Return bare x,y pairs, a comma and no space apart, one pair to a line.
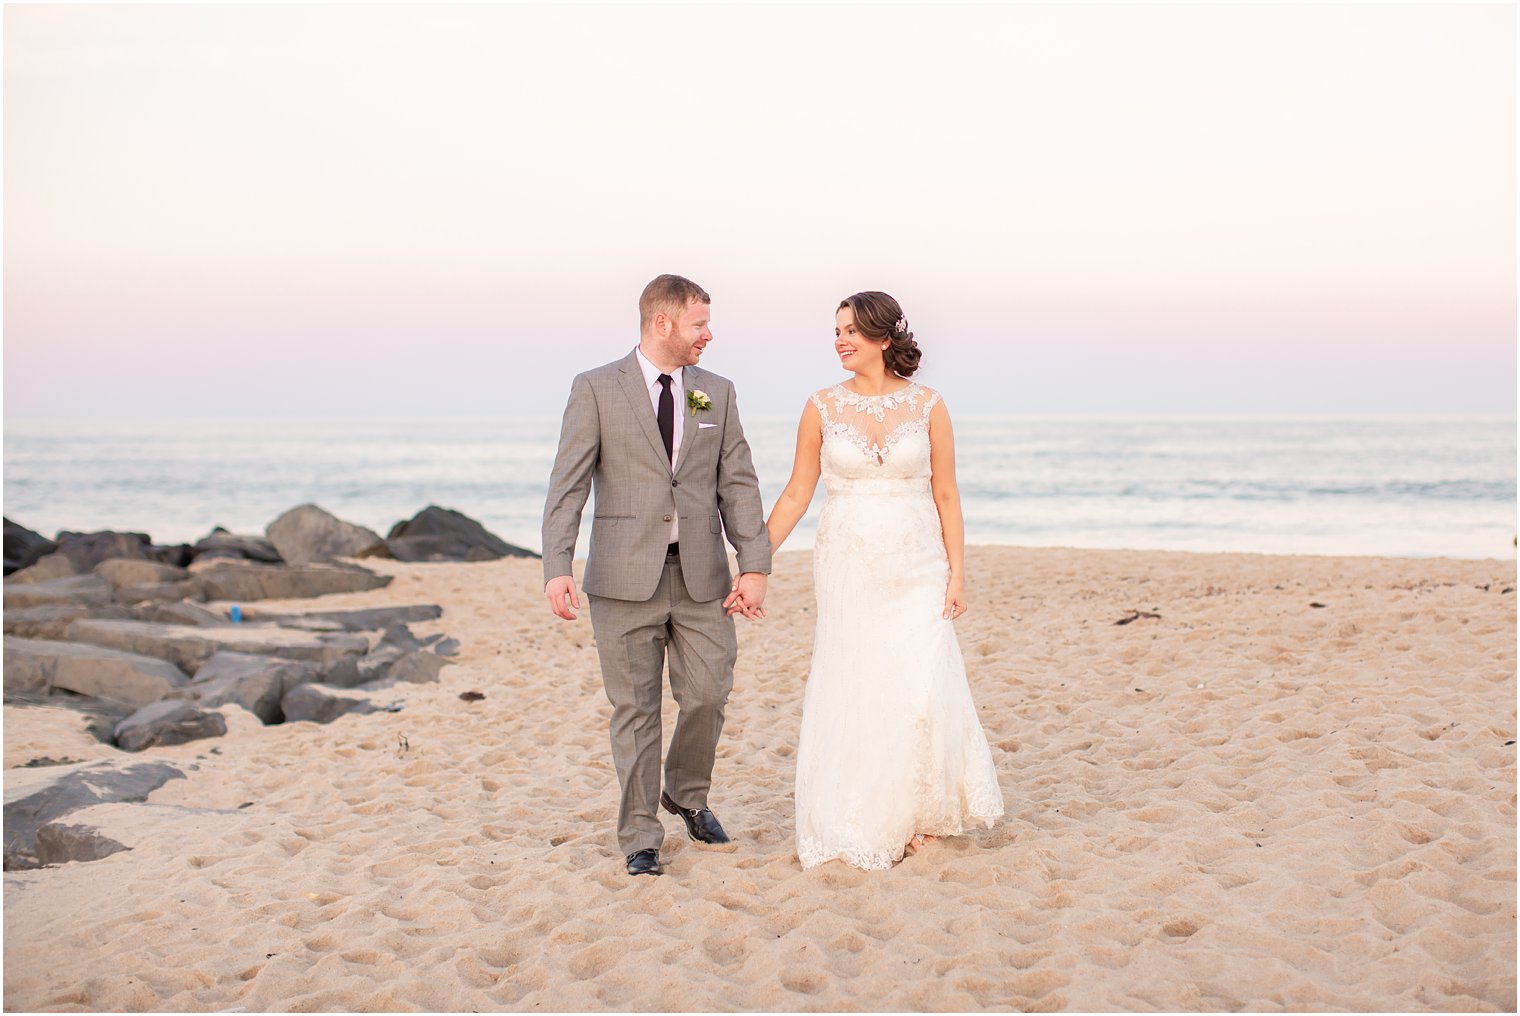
1246,803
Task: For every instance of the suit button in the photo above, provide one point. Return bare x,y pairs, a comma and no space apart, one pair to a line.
667,518
675,483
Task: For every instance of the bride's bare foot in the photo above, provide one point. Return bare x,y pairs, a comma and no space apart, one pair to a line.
918,842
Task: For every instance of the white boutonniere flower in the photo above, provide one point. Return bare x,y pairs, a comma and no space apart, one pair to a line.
697,399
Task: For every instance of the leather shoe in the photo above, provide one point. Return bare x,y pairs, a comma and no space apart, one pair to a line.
645,862
701,825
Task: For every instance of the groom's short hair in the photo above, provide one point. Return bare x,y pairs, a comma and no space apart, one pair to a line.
668,295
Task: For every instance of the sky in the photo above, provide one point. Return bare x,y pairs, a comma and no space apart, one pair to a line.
409,211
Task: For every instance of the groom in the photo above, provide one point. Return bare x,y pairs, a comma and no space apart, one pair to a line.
660,440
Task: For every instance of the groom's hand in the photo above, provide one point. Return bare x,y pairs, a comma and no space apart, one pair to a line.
559,590
747,596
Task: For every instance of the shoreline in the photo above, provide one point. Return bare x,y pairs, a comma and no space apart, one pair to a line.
1248,802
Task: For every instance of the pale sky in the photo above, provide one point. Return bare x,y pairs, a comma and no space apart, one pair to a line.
419,211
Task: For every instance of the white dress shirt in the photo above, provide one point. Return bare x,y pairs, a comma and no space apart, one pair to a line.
678,397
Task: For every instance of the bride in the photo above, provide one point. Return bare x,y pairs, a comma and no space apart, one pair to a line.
891,754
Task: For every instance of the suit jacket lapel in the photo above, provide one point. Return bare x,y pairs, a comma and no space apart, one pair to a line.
633,387
690,380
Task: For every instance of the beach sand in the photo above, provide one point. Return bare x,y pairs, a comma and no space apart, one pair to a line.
1248,802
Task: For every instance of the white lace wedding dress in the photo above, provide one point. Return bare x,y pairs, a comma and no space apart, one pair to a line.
890,743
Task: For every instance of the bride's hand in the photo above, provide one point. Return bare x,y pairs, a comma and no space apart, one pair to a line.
955,598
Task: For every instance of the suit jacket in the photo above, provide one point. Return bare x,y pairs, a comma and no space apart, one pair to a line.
610,442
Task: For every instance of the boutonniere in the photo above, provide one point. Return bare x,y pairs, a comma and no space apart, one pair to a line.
697,399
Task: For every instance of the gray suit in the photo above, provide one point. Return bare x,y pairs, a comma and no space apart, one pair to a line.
642,599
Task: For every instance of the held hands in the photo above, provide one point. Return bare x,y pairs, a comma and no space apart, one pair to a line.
955,598
558,590
747,596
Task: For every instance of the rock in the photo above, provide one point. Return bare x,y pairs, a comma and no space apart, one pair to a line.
307,535
447,647
23,546
417,668
179,613
45,569
35,797
81,590
443,534
132,679
160,591
189,646
219,543
266,582
121,571
168,722
178,555
370,619
86,550
321,704
59,842
257,683
49,620
400,636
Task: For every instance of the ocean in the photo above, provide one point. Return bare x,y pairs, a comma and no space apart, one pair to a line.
1408,486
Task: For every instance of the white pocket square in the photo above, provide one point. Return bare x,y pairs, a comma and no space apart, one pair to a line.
704,426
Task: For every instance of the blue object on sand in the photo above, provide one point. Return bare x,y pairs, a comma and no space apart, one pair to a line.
236,613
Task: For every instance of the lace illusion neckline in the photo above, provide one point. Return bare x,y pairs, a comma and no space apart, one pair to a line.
901,393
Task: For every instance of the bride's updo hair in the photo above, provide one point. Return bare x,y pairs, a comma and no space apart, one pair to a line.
880,317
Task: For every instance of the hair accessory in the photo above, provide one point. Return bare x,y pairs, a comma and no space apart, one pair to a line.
902,326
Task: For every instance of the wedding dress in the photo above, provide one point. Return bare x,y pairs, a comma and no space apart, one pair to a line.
890,743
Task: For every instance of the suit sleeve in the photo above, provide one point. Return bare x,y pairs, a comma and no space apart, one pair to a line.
570,481
739,495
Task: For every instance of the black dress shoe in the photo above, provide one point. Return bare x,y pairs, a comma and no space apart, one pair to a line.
701,824
645,862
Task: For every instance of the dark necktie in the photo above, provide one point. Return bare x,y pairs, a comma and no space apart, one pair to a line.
667,414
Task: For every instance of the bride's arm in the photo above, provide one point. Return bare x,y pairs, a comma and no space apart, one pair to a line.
947,498
794,500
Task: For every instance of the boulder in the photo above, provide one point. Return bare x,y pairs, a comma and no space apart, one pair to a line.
268,582
160,592
370,619
35,797
443,534
321,704
44,569
189,646
309,535
219,543
81,590
49,620
86,550
179,613
23,546
121,571
257,683
177,555
168,722
61,842
100,830
417,668
132,679
400,636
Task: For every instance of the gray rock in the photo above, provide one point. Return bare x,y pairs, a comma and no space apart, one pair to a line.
35,797
23,546
400,636
417,668
44,569
84,590
131,679
267,582
179,613
369,619
257,683
168,722
59,842
443,534
121,571
249,547
308,534
86,550
190,589
49,620
447,647
189,646
321,704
